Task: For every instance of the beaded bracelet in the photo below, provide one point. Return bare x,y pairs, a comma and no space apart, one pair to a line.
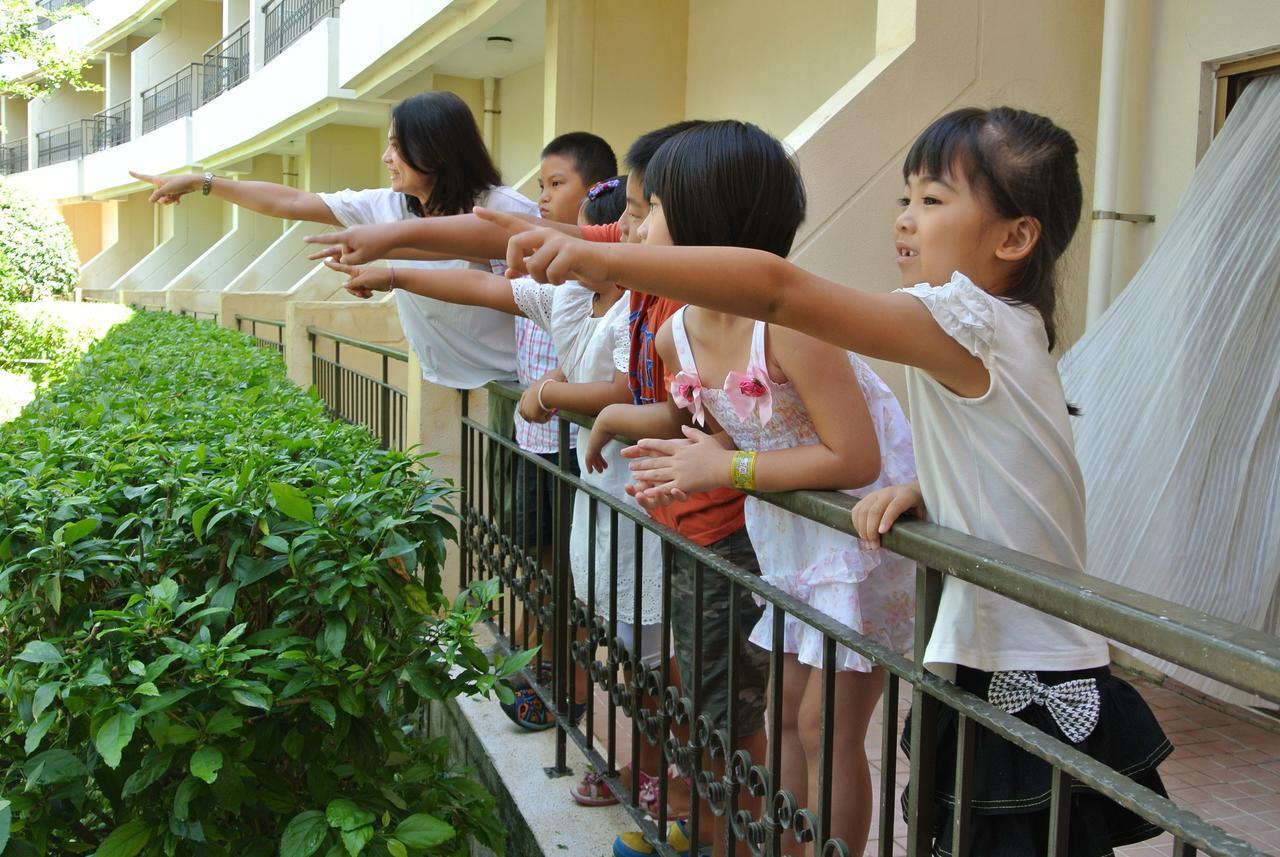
742,471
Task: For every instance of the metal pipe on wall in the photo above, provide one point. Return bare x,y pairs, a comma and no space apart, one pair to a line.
1115,24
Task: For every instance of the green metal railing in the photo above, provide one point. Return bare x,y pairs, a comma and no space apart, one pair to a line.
1238,656
356,397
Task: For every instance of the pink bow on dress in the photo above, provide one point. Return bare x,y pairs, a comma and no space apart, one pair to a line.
686,392
750,391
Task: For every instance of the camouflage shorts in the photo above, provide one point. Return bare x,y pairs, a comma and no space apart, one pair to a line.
753,662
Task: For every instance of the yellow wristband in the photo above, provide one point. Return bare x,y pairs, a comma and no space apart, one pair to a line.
742,471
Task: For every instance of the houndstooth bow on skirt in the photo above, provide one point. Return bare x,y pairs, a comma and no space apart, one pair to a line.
1073,705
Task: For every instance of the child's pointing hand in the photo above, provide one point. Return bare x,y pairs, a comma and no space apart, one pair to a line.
548,255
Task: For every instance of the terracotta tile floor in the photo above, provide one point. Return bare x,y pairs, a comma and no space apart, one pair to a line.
1224,769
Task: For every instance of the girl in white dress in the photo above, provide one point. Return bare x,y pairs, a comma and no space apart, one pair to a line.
802,415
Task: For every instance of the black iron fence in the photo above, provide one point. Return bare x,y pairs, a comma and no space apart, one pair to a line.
13,157
226,64
65,143
289,20
669,719
109,128
176,96
358,397
274,342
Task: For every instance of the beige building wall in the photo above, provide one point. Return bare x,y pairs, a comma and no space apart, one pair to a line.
771,63
1042,56
518,136
1169,48
66,105
85,219
187,28
343,156
470,90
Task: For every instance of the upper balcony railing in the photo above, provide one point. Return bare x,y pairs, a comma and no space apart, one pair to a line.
13,157
174,97
226,64
110,127
289,20
54,6
65,143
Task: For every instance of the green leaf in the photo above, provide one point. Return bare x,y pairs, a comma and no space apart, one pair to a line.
154,766
127,840
38,730
182,797
52,766
324,710
344,814
252,700
355,840
416,598
6,821
73,533
44,696
198,518
351,700
276,544
335,635
40,652
304,834
292,502
206,762
147,688
223,721
137,668
396,848
424,831
113,736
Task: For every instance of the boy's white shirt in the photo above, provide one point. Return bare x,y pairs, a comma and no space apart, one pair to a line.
1000,467
458,346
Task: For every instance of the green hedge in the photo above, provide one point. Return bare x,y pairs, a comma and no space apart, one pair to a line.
38,257
211,644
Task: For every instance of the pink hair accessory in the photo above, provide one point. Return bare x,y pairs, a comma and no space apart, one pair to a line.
686,392
750,391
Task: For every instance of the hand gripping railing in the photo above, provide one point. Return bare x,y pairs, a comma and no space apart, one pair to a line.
762,808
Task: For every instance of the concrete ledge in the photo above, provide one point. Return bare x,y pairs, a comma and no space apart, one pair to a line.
540,816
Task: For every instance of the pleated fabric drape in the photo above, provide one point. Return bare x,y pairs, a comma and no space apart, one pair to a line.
1179,384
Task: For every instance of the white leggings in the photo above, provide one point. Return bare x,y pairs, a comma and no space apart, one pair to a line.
650,641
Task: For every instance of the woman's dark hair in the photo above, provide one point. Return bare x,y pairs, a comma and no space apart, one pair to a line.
605,202
438,135
728,184
1022,165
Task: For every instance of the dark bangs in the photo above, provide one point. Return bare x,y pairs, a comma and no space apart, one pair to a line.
952,141
728,184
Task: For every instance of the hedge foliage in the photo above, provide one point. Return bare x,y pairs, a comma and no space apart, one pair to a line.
37,254
214,641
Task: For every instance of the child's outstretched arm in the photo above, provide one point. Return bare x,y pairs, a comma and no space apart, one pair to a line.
588,398
660,419
756,284
458,236
453,285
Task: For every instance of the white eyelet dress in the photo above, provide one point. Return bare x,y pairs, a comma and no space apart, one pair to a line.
870,591
590,349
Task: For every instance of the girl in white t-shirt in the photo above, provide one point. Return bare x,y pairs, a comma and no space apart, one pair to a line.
992,200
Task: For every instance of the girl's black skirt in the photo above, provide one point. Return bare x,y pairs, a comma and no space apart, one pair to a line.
1011,788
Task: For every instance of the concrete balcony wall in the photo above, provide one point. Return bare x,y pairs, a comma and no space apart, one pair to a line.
54,182
295,82
166,149
132,220
371,29
282,265
85,219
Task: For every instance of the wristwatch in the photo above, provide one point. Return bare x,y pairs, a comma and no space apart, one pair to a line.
208,184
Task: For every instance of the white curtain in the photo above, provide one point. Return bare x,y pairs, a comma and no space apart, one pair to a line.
1179,384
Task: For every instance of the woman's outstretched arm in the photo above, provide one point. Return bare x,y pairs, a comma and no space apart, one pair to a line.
276,200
